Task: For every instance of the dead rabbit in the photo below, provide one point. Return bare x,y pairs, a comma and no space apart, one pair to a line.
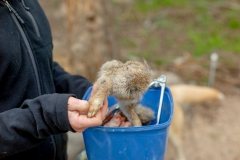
126,82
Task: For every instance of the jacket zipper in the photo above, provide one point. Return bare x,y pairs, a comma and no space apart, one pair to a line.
29,51
27,10
17,18
12,10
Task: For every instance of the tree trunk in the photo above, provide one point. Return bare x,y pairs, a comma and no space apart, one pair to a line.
90,38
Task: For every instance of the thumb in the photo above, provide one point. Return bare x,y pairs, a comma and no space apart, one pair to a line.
78,105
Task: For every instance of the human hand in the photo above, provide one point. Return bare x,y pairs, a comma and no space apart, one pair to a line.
77,114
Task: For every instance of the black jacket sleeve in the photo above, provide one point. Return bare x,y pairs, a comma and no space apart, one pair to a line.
67,83
25,127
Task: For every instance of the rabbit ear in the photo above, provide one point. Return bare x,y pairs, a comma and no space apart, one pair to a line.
146,64
148,68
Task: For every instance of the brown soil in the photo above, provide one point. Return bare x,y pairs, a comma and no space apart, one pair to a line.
211,129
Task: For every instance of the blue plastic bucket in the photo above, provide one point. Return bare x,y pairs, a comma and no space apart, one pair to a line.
129,143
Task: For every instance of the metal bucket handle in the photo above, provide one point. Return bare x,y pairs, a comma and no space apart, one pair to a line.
159,82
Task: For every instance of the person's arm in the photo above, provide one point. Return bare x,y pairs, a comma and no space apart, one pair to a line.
25,127
67,83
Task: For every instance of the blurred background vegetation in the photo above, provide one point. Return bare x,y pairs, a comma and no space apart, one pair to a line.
175,35
199,27
168,31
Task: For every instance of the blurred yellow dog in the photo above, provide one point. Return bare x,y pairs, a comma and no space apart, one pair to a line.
187,94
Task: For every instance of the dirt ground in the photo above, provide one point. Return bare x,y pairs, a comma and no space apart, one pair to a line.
211,129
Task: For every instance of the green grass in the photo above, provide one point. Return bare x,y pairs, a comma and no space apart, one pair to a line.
128,43
150,5
214,31
208,42
204,25
204,42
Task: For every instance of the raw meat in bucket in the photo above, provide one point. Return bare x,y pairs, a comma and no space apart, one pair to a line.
117,118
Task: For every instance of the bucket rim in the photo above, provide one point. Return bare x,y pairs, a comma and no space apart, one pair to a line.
133,129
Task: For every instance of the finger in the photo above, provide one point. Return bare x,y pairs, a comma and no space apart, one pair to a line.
94,121
83,106
79,105
101,114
